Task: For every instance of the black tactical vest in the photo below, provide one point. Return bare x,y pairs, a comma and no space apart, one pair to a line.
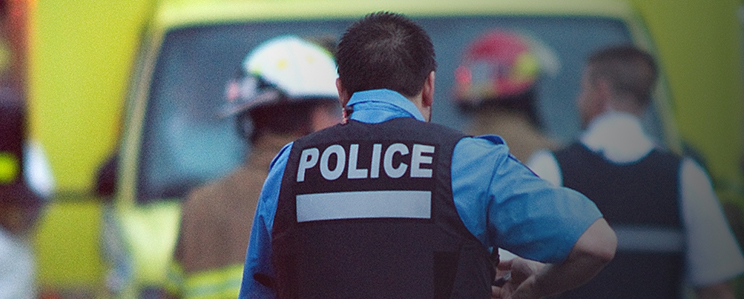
366,211
640,201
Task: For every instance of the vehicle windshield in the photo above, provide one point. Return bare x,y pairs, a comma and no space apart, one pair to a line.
185,144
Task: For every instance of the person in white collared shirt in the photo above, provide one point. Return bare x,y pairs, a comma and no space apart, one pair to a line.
671,228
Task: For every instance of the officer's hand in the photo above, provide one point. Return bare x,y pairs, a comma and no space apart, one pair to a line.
521,277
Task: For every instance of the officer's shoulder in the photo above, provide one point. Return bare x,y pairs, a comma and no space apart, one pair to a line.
483,144
282,154
488,139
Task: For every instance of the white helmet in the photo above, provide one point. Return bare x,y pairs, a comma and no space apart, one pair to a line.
284,68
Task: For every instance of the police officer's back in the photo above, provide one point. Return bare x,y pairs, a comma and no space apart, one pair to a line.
388,205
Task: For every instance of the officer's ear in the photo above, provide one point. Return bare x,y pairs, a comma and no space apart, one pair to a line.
343,95
604,90
427,93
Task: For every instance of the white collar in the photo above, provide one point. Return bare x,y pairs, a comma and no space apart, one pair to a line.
618,136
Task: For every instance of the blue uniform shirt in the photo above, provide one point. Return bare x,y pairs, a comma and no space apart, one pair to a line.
500,201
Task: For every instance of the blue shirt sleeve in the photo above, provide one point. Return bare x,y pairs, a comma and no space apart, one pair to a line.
506,205
258,258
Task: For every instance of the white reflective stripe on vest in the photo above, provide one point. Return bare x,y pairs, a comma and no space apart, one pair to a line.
364,204
649,239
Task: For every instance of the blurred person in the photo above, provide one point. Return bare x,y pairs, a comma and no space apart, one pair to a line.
26,181
669,223
25,185
284,89
389,205
496,86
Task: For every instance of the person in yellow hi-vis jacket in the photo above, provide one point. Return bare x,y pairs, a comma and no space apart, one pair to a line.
284,89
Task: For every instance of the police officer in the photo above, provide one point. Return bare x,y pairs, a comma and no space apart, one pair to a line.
284,89
669,224
388,205
496,87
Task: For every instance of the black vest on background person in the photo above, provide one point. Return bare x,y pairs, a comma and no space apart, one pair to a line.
640,201
389,233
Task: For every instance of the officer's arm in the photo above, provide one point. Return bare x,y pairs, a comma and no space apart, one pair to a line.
594,249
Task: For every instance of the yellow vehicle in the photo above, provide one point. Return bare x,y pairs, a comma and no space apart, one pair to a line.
171,140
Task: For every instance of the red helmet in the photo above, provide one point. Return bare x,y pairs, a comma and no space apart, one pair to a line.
496,65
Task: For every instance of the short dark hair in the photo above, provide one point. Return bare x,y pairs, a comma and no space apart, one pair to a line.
385,50
630,70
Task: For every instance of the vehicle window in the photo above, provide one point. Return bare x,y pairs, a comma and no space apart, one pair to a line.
185,144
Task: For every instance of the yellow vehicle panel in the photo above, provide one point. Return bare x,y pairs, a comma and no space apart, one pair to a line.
69,259
79,57
700,48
